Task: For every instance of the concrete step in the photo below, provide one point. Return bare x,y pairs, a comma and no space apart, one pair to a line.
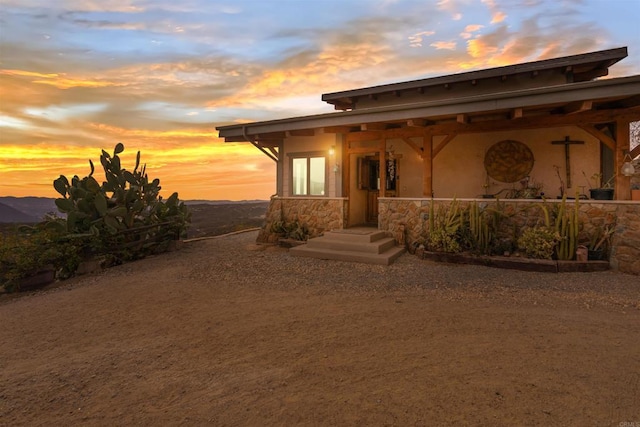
363,234
385,258
362,244
376,247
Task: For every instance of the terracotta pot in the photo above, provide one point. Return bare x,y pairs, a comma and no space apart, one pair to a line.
635,194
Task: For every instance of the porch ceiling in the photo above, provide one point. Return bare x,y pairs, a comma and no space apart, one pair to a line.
584,103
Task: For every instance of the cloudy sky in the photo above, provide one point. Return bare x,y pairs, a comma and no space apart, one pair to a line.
77,76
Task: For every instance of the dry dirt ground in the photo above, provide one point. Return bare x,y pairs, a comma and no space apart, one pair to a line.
224,332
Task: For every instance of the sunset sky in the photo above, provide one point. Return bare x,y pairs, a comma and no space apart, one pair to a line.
77,76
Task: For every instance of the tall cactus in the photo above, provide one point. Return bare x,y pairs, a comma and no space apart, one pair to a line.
479,228
567,226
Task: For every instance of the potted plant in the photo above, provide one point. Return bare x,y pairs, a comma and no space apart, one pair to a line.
599,189
635,192
600,242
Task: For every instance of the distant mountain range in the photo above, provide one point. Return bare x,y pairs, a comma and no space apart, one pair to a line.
25,209
33,209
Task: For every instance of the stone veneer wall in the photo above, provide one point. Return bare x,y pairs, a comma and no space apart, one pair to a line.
317,213
408,219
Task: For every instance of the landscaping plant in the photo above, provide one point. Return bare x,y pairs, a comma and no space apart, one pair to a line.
123,218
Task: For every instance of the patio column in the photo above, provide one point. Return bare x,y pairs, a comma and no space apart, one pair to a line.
623,146
427,162
383,168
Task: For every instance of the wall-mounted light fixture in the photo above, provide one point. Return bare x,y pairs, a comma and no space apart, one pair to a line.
332,150
627,166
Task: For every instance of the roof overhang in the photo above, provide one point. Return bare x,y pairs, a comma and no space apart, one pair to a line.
623,92
575,68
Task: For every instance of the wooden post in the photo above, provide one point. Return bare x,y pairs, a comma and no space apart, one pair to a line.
623,145
346,166
427,162
383,168
567,158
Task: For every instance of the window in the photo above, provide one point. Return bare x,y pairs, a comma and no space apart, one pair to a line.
308,174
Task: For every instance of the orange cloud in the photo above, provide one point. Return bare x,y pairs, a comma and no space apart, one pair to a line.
451,45
497,15
415,40
328,69
58,80
477,48
469,30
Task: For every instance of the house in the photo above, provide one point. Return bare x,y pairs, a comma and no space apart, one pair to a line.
518,131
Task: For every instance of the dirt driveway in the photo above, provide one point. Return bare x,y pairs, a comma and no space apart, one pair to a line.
226,333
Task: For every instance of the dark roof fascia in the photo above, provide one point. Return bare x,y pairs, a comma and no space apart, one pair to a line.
591,90
609,57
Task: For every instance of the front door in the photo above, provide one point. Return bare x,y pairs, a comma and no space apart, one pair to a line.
369,181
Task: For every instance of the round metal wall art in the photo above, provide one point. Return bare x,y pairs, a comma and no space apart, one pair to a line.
508,161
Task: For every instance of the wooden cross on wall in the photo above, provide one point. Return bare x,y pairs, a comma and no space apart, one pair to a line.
567,159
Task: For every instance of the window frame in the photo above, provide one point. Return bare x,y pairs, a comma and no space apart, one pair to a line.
308,155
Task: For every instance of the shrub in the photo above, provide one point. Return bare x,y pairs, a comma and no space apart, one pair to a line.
538,242
291,230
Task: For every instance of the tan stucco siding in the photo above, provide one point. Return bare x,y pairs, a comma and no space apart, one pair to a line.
458,170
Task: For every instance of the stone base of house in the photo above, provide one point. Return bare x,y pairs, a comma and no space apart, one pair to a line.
317,214
407,220
411,217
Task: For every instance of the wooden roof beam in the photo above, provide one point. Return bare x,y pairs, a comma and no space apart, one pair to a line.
447,139
516,113
343,105
300,132
413,145
606,139
418,123
336,129
271,135
578,107
372,126
590,75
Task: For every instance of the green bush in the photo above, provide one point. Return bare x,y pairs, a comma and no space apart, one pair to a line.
538,242
33,249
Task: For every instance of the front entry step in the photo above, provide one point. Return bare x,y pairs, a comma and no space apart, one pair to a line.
365,245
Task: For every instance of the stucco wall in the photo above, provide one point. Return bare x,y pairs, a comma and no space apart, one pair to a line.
410,216
464,156
459,171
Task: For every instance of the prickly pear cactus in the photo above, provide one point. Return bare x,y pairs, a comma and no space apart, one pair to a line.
125,202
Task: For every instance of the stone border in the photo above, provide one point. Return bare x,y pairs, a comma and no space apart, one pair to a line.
517,263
